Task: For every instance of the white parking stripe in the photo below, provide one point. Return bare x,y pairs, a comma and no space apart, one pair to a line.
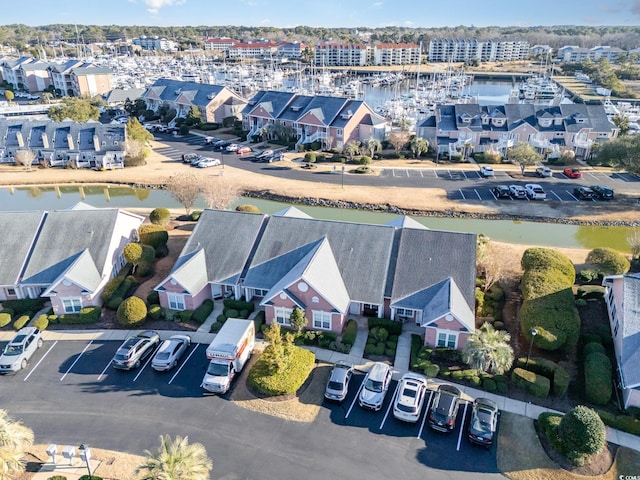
147,362
393,400
572,196
183,364
464,415
554,193
592,175
76,360
479,197
421,173
354,401
105,369
465,175
435,173
407,172
43,357
426,414
461,193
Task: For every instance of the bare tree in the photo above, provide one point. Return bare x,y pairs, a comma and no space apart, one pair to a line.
633,239
399,140
493,265
25,158
185,188
218,193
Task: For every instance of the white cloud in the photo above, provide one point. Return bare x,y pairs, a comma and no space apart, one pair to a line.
377,4
265,21
154,6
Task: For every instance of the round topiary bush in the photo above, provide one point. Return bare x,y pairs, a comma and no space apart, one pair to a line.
153,298
247,208
582,434
42,322
365,160
160,216
608,261
310,157
131,312
489,384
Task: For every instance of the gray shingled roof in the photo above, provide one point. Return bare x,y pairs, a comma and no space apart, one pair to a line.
65,234
405,221
20,230
227,238
325,108
630,354
274,102
200,94
425,257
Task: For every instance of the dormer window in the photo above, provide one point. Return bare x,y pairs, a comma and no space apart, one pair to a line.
296,108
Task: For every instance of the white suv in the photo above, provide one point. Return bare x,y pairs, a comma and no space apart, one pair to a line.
535,192
486,171
19,351
375,386
544,172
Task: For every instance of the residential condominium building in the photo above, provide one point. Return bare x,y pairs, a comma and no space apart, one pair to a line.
388,54
155,43
26,73
469,49
575,54
334,54
220,44
253,50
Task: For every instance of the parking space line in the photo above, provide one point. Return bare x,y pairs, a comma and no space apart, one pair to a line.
464,175
572,196
393,171
592,175
407,172
393,400
449,172
421,173
146,363
426,414
183,364
554,193
479,197
43,357
354,401
462,194
76,360
105,369
435,173
464,415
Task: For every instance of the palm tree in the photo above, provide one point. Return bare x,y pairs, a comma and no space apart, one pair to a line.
352,148
419,146
374,146
15,438
488,350
176,460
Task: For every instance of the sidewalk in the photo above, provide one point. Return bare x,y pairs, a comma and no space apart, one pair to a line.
355,357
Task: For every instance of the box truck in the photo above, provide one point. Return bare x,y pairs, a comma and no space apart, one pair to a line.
228,352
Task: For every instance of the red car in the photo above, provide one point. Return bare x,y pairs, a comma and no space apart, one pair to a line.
572,173
243,149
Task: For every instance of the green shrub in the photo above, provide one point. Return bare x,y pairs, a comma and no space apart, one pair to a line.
582,434
52,318
363,169
532,383
560,382
231,313
554,317
42,322
160,216
416,345
90,477
369,349
379,350
238,304
299,364
310,157
548,423
475,381
90,314
8,311
489,384
431,370
538,365
365,160
625,423
155,312
201,313
547,258
155,236
183,316
331,336
323,342
592,347
114,303
215,327
114,284
587,276
21,321
153,298
591,337
350,332
5,319
446,354
195,215
131,312
221,318
608,261
258,320
392,344
393,327
57,477
503,388
495,292
247,208
390,352
540,283
24,306
597,378
379,333
148,256
588,292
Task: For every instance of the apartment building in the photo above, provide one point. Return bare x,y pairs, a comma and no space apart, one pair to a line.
470,49
155,43
388,54
341,54
220,44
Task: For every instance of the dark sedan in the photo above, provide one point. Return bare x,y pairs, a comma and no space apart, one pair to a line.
484,422
584,193
444,409
501,191
602,192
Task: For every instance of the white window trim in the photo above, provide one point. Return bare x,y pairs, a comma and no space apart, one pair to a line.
449,334
320,317
75,302
177,299
284,313
404,312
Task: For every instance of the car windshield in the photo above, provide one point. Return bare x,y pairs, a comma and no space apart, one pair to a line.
482,421
373,385
218,369
13,349
120,357
333,385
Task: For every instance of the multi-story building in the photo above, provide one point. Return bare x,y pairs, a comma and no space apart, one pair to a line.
575,54
469,49
388,54
336,54
264,49
155,43
290,50
220,44
90,81
25,73
61,75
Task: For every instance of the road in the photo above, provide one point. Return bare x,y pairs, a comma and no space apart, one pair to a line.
69,394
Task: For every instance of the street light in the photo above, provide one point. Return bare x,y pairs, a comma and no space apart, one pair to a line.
85,454
342,176
534,332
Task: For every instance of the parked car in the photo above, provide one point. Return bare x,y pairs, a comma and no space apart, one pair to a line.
535,191
244,149
135,349
410,399
444,409
544,172
484,422
375,386
232,147
501,191
189,157
208,162
486,171
584,193
221,145
195,160
262,154
338,383
602,192
20,349
170,351
518,192
276,157
572,173
210,140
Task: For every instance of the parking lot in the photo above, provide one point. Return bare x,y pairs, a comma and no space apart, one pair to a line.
76,377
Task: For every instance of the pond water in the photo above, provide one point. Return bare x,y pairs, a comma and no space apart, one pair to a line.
511,231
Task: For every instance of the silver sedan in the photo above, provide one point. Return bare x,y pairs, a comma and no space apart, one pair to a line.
170,352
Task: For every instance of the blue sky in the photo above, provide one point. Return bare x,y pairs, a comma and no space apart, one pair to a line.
327,13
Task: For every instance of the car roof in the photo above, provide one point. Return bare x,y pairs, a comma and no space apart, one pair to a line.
485,402
378,370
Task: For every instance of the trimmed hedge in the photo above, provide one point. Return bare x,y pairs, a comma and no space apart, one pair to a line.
530,382
549,423
588,292
626,423
238,304
155,236
21,321
42,322
258,320
5,319
24,306
608,261
554,317
545,258
350,332
558,376
299,364
153,298
391,326
183,316
156,312
592,347
201,313
112,285
215,327
597,378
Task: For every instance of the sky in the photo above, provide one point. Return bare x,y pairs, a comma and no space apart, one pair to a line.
327,13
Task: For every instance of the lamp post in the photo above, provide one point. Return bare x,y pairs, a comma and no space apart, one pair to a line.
342,176
85,454
534,332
